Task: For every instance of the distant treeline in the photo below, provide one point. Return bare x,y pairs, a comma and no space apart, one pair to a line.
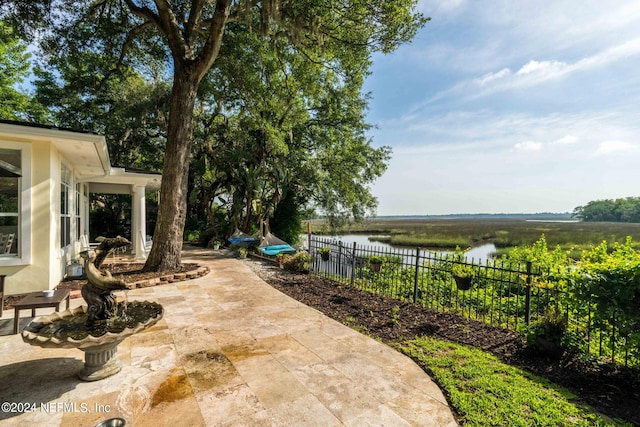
618,210
539,215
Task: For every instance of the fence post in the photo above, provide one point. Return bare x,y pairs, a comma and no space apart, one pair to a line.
353,264
340,271
416,277
527,308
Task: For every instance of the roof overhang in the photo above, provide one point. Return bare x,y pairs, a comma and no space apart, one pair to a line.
122,181
86,152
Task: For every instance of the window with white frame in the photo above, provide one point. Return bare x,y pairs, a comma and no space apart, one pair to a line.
10,192
65,208
78,219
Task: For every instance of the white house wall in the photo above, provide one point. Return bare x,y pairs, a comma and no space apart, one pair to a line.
41,263
48,261
33,273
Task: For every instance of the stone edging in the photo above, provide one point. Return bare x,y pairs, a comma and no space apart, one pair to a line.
171,278
162,280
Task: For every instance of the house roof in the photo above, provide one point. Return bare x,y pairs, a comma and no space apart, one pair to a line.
86,151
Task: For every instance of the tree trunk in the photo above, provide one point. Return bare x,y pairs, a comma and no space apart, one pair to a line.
167,239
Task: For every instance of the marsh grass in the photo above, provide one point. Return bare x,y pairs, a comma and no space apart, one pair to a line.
503,232
483,391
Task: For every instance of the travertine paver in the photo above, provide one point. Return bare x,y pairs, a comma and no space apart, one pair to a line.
230,351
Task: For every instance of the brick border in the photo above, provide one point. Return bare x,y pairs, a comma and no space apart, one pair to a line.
162,280
171,278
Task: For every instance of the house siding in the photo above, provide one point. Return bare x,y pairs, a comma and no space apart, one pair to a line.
48,261
41,262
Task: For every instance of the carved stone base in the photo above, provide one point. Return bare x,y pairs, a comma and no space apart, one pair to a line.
100,362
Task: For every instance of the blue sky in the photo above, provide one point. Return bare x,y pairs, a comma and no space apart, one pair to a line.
510,106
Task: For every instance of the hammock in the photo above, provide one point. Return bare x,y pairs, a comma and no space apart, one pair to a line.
239,238
271,245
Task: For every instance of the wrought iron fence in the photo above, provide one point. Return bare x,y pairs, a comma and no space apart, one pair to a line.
502,293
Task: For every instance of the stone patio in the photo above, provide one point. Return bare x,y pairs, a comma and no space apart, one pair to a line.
230,351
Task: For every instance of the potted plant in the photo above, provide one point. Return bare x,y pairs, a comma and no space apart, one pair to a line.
242,252
216,244
324,253
549,334
463,275
375,262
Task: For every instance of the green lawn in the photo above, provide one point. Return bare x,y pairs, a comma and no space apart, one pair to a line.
483,391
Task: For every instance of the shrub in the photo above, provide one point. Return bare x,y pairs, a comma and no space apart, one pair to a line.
548,334
605,288
298,262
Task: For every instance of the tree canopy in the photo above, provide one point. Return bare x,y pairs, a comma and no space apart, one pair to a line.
276,123
616,210
271,92
14,69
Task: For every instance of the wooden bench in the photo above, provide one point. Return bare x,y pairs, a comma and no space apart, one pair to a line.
38,300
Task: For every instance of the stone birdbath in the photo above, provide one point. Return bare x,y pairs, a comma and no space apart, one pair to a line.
101,325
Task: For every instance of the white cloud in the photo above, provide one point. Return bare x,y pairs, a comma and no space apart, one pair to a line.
607,56
490,77
568,139
547,68
528,146
532,73
609,147
536,105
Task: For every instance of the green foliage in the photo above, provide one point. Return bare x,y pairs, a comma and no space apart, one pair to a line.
14,69
272,147
589,307
463,270
287,221
81,91
27,16
483,391
605,288
618,210
539,253
375,259
395,314
549,334
109,214
297,262
279,100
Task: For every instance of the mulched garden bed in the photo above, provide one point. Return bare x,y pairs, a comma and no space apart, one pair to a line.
612,391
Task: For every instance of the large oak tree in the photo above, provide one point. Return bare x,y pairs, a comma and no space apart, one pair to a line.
275,129
191,33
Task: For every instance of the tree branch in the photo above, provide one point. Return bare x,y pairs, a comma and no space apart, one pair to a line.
166,23
170,26
195,16
210,50
131,35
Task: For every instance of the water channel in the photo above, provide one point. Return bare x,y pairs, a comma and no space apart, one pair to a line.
477,253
